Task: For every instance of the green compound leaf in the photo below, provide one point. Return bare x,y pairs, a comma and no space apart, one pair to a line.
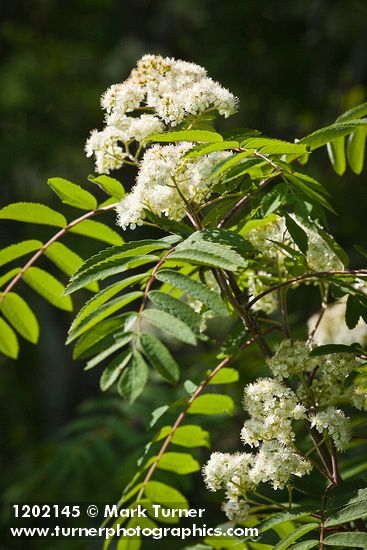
186,135
73,194
347,540
193,288
106,294
186,436
160,357
112,372
106,269
337,156
119,342
18,250
98,231
283,517
20,316
201,150
178,309
306,545
270,146
295,535
89,343
32,212
66,260
225,376
210,254
180,463
78,327
329,133
298,234
5,278
161,493
8,340
171,325
356,149
111,186
349,513
134,378
212,403
48,287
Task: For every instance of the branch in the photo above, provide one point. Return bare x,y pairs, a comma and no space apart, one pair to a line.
316,275
53,239
183,413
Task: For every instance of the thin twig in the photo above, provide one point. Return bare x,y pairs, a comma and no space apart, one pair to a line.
53,239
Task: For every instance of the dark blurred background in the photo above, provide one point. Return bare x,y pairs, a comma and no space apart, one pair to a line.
296,65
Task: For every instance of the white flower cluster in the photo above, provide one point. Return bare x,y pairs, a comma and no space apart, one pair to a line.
169,90
272,407
335,422
166,181
319,255
291,358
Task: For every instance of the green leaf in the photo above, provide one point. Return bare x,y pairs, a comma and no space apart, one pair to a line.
349,513
20,315
160,357
355,149
353,312
186,135
305,545
98,231
8,340
225,376
331,348
90,339
104,295
180,463
171,325
334,247
18,250
274,199
354,113
111,186
224,237
201,150
296,534
134,378
348,540
66,260
298,234
32,212
270,146
228,163
212,403
106,269
310,192
207,253
104,310
282,517
73,194
5,278
193,288
178,309
336,151
186,436
48,287
161,493
112,372
119,342
329,133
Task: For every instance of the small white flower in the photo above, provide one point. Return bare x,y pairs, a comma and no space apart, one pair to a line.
335,422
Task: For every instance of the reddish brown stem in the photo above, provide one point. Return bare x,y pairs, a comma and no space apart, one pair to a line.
53,239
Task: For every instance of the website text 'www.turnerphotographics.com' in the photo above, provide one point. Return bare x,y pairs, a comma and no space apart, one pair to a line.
108,521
